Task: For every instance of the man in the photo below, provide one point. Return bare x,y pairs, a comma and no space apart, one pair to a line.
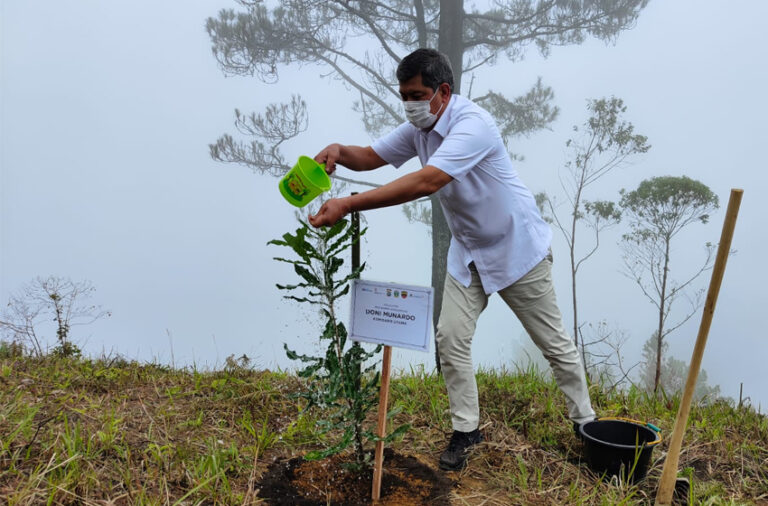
499,241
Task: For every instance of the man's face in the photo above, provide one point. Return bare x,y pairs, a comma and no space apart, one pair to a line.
414,90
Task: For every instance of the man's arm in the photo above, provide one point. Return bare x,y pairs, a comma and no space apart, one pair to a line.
404,189
355,158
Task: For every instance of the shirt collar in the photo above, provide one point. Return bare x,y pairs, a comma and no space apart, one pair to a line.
441,127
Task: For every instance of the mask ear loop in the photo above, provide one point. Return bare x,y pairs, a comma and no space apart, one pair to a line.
433,97
440,109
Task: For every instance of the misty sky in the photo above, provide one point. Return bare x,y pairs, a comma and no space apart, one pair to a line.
107,110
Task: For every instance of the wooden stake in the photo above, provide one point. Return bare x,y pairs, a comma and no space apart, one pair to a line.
354,222
381,428
669,474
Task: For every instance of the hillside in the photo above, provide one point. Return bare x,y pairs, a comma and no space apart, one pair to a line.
110,431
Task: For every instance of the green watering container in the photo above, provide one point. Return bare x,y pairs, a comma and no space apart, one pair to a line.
305,181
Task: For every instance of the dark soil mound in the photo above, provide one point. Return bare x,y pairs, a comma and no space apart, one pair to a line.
405,482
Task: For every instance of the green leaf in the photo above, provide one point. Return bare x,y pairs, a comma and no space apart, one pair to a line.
301,299
307,275
310,371
343,243
397,433
295,356
335,230
291,287
289,261
396,410
331,267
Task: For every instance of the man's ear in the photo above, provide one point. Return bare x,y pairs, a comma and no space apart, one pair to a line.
445,89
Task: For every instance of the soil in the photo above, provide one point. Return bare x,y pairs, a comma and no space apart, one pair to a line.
405,482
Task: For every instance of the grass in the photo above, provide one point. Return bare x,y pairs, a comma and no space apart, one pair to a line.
81,431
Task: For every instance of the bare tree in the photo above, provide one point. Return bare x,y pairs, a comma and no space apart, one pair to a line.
31,310
603,143
658,210
674,373
606,363
360,43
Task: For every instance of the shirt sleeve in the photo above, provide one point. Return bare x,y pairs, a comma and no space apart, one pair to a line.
467,143
398,146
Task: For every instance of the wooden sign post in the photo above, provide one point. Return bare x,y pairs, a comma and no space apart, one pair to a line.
391,314
381,426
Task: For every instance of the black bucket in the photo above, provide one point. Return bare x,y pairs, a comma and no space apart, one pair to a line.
619,447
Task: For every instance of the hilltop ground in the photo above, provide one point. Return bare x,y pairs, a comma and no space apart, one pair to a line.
110,431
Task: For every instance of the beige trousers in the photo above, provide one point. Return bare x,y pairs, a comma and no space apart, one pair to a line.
533,301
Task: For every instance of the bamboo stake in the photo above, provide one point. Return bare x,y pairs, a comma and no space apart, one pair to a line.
669,473
381,428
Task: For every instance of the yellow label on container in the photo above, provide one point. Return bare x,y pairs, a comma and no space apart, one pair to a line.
295,187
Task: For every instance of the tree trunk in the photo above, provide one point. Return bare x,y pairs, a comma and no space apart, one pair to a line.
451,37
441,239
421,23
62,326
662,306
450,42
572,252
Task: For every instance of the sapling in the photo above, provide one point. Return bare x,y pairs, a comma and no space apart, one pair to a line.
339,383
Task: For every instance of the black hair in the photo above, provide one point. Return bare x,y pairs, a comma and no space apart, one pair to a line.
434,67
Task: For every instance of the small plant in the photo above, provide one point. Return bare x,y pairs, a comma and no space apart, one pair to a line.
340,384
110,435
11,349
235,366
260,432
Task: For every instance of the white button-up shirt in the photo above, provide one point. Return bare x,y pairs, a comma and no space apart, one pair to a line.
492,215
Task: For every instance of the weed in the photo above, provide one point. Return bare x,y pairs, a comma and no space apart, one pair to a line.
263,436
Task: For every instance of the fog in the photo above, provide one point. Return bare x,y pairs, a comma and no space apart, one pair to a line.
108,109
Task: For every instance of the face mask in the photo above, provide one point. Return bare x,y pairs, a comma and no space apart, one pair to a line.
418,112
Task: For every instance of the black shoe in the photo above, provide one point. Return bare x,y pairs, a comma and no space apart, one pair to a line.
455,457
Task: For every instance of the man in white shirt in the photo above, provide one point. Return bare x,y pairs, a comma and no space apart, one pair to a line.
500,244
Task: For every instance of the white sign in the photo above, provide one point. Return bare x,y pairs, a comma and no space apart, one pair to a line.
392,314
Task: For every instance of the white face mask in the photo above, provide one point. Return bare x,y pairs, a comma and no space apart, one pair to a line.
419,114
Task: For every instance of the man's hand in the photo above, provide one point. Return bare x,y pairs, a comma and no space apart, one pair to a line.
330,212
329,156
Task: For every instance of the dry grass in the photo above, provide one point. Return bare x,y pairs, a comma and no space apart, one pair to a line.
117,432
